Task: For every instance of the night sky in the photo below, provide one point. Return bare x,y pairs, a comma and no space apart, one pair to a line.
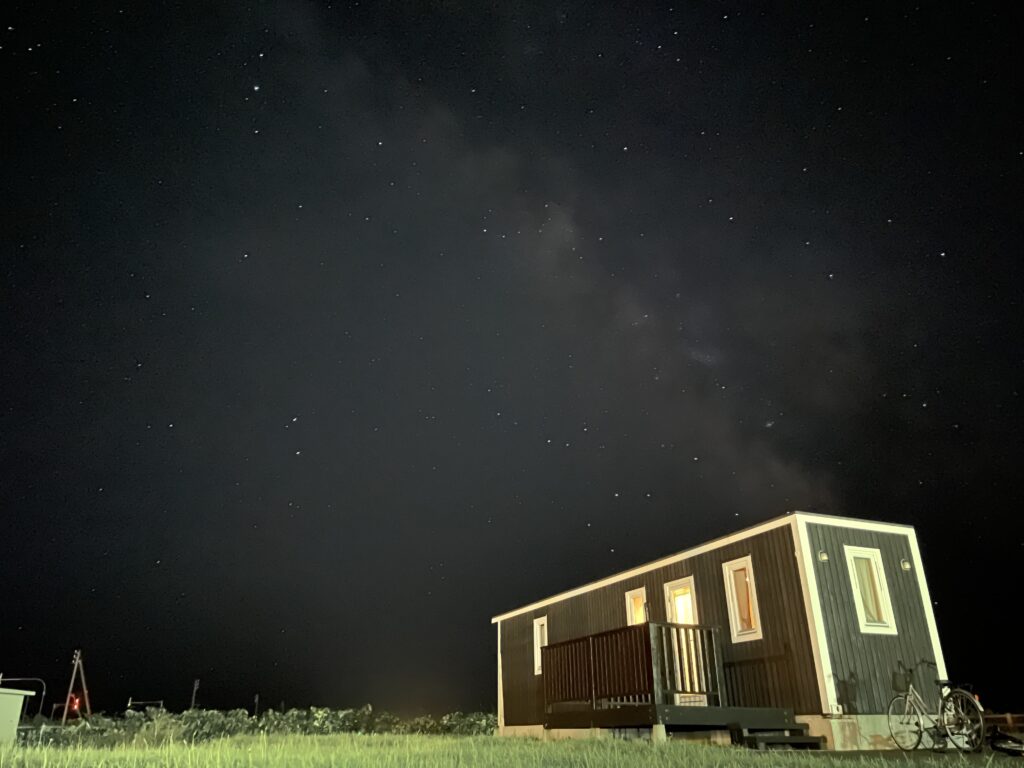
330,331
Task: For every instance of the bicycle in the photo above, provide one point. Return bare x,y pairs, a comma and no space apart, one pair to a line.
960,718
1006,743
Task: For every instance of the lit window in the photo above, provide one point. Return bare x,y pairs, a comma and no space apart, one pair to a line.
636,606
540,639
870,591
741,594
679,601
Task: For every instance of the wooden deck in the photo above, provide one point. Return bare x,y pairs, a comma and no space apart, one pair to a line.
659,674
675,718
648,674
646,664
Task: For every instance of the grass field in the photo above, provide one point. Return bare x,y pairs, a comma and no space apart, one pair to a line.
391,751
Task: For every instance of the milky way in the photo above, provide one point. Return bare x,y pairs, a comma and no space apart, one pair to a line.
321,322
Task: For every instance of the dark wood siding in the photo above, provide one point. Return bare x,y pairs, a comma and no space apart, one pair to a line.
863,663
775,671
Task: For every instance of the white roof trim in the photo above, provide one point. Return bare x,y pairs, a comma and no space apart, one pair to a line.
929,613
852,522
777,522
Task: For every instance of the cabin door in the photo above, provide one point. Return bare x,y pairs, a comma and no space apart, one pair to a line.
687,657
682,603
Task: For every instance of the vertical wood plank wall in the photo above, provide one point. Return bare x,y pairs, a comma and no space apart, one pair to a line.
863,663
775,671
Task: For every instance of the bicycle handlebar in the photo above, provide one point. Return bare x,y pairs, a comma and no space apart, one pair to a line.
903,677
903,667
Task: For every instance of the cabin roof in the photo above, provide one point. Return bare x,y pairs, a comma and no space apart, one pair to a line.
790,518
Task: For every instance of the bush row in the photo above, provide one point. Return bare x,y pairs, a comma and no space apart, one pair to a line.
158,726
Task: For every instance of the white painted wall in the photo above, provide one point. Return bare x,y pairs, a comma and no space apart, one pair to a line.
11,700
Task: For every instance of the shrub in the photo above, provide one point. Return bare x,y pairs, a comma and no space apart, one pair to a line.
471,724
158,726
420,725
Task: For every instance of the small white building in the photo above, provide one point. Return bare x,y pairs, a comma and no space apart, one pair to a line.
12,701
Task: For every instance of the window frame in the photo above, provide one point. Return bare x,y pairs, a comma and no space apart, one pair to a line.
642,591
728,568
888,627
538,657
670,587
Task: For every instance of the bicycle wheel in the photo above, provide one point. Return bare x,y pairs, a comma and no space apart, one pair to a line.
905,723
1007,744
963,720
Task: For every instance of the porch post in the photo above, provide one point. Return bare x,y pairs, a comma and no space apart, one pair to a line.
655,646
655,641
593,686
716,647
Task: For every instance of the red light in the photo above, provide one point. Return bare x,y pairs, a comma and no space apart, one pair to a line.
74,703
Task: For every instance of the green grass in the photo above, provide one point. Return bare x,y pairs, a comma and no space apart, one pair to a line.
391,751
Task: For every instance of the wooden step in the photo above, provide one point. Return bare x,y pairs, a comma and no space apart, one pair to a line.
739,730
786,729
777,741
784,736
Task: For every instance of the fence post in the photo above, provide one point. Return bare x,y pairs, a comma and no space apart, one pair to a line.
545,668
654,643
722,699
593,689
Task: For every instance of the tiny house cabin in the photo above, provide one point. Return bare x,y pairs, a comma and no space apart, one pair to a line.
796,626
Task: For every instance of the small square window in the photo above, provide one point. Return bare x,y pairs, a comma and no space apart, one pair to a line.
870,591
540,639
741,594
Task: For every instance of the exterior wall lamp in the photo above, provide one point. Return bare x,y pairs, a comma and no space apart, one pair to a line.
823,555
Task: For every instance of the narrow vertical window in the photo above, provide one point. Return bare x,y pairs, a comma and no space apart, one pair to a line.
870,591
867,582
744,599
636,606
741,595
540,639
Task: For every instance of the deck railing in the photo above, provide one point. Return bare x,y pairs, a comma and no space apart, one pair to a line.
691,663
651,663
